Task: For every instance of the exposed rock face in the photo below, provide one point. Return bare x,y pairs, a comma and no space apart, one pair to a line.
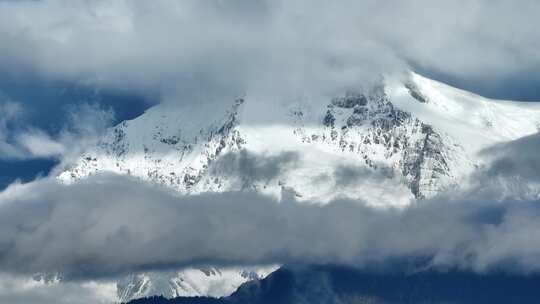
390,139
393,152
165,153
415,92
211,281
369,125
157,147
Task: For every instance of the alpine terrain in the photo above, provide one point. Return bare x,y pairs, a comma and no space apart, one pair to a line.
386,145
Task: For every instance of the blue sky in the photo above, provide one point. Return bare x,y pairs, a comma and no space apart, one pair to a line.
48,104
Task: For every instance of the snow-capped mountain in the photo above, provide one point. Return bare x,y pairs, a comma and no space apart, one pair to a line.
386,145
213,282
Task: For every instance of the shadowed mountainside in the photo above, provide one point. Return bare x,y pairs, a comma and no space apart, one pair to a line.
329,284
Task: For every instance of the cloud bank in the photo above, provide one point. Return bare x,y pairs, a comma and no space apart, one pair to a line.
103,226
208,49
25,290
189,48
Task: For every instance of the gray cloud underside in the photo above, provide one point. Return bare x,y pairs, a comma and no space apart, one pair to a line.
519,158
251,167
108,225
216,48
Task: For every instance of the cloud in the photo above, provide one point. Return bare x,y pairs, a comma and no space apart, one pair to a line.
25,290
194,51
346,176
20,141
40,144
103,227
484,46
250,167
9,111
511,168
192,48
84,126
518,158
18,144
212,49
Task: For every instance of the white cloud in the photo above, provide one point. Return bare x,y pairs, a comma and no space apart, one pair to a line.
39,144
83,126
215,47
26,290
192,47
192,51
195,50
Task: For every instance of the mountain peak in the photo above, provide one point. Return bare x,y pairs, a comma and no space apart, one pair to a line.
385,146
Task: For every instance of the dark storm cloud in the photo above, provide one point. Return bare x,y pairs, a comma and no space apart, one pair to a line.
251,167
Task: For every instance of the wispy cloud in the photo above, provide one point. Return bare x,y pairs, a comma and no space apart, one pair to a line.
26,290
20,140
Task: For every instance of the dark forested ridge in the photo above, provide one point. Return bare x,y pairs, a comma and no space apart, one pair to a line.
344,285
182,300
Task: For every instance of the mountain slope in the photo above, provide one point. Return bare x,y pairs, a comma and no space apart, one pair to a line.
386,145
339,285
